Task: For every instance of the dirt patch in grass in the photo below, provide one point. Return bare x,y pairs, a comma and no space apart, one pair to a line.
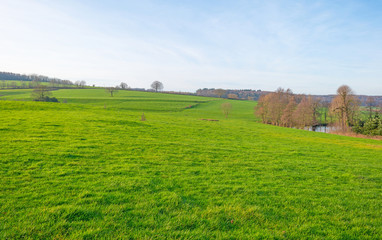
357,135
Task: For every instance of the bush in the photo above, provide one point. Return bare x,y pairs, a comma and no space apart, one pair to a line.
372,126
47,99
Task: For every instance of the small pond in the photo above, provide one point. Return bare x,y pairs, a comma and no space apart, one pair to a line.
322,128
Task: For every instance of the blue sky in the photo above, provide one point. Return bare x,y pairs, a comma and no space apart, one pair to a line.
311,47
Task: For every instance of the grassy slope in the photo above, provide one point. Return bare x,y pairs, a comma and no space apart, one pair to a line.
85,171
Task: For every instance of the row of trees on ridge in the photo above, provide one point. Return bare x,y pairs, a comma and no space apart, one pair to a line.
155,86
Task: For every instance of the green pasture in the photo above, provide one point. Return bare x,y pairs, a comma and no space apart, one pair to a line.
90,169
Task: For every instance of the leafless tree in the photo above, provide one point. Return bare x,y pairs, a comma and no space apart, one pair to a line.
233,96
143,117
226,108
157,86
277,103
111,91
124,85
370,103
283,108
82,84
40,92
303,116
344,106
287,117
325,107
220,92
315,105
261,108
271,106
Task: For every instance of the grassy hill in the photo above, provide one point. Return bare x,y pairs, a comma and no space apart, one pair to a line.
90,169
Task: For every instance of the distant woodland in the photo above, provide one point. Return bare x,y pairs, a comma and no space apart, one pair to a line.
249,94
8,80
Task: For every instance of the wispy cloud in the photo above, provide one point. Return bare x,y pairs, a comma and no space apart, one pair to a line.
309,47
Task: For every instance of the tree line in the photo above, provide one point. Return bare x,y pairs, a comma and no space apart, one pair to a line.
283,108
247,94
155,86
32,84
32,78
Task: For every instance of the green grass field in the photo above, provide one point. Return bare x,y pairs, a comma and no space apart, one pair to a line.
90,169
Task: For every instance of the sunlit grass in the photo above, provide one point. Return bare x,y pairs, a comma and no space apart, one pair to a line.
82,171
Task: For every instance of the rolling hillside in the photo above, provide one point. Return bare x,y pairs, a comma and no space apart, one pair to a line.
91,169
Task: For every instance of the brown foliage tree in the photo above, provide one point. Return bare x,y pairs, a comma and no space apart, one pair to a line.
261,108
271,106
303,116
280,108
287,117
233,96
344,106
220,92
226,108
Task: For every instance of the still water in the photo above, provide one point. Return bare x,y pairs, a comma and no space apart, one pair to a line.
324,129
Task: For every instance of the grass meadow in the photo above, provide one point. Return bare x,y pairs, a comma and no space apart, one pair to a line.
91,169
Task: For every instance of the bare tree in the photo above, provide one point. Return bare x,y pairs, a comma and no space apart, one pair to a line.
325,107
370,103
40,93
233,96
111,91
82,84
283,108
124,85
271,106
261,108
303,116
157,86
287,117
344,106
315,109
143,117
220,92
226,108
277,102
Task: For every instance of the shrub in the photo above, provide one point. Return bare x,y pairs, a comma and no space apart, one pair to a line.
372,126
47,99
